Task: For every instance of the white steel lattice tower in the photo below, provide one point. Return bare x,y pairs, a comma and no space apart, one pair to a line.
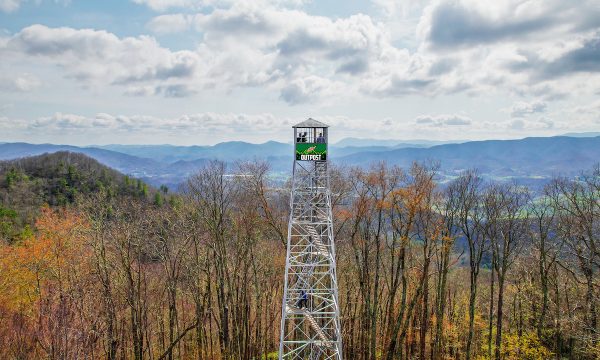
310,321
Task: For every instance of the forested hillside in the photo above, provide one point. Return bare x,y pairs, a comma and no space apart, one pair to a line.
55,179
107,271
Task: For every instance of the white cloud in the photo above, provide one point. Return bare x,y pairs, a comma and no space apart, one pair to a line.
521,109
98,57
463,23
287,51
24,82
60,121
519,47
524,50
194,124
287,47
539,124
301,57
589,109
10,5
403,9
581,117
164,5
517,124
200,122
547,122
171,23
194,128
212,127
308,89
443,120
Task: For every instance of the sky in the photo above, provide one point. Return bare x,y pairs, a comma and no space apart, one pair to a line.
197,72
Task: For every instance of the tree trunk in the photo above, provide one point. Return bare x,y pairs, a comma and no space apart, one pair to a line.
425,310
440,307
499,316
491,313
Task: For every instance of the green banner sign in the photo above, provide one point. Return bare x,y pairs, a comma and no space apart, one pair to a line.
311,151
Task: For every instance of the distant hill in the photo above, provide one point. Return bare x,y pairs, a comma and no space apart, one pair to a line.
59,176
362,142
524,158
56,179
239,150
529,160
125,163
236,150
583,134
227,151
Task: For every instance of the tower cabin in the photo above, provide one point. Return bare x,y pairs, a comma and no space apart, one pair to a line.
310,140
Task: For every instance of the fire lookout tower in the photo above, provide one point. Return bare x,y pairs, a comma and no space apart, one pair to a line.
310,320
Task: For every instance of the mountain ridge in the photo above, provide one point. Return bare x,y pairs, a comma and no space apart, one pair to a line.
524,159
526,155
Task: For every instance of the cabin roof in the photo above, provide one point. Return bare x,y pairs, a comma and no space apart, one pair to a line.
310,123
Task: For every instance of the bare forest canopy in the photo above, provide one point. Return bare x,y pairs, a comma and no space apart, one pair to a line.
94,264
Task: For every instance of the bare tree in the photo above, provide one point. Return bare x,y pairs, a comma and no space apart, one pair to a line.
450,207
408,204
211,191
578,213
465,196
547,245
506,216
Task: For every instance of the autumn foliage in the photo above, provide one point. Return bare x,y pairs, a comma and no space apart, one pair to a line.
40,277
426,270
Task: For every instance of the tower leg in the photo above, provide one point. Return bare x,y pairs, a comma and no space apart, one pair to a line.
310,323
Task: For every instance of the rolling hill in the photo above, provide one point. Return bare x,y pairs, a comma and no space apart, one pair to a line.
529,157
227,151
57,179
529,160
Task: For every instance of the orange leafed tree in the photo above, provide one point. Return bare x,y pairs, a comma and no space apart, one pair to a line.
34,275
